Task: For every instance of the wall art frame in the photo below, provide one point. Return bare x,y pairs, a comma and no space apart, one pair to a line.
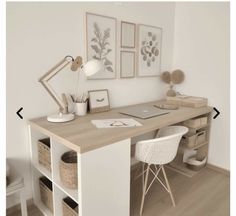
127,64
127,34
98,100
149,51
101,43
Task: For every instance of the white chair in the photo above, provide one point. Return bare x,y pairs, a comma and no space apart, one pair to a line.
16,185
157,152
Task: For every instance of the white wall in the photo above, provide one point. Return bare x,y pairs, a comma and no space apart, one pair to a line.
41,34
201,50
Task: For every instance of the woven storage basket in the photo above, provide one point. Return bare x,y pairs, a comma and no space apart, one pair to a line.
44,154
70,207
46,192
201,137
189,141
68,170
194,123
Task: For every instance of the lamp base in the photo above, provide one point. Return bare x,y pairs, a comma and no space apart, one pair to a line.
60,117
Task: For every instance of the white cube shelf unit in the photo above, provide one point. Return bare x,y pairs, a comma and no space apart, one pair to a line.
38,170
103,177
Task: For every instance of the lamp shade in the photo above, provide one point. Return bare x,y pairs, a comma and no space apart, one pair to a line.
91,67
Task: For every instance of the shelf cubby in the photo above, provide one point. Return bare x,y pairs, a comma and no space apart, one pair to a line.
35,137
201,148
57,151
36,195
58,196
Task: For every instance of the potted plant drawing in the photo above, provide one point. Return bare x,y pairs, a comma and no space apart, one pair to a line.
101,46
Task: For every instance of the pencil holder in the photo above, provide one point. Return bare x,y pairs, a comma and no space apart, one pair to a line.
81,109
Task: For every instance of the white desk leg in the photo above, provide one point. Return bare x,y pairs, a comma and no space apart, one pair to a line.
104,181
23,203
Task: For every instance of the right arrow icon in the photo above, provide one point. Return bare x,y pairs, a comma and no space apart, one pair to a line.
217,113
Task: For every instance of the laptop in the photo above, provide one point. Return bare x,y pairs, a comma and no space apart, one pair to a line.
143,112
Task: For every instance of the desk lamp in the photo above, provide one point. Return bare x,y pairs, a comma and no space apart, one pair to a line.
89,68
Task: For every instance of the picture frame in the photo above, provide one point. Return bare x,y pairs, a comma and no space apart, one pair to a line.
127,35
127,64
101,43
98,100
149,50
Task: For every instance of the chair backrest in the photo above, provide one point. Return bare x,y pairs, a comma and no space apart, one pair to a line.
162,149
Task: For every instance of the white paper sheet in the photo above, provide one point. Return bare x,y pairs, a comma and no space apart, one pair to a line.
115,123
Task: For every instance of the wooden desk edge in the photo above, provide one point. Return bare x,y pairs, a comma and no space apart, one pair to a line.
84,149
55,137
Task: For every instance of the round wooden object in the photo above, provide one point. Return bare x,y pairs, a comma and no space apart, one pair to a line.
76,63
177,76
166,77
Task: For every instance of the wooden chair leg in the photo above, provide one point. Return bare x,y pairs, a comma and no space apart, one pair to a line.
167,184
23,203
144,189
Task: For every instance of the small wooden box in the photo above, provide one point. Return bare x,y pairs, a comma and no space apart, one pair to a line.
45,186
188,101
44,153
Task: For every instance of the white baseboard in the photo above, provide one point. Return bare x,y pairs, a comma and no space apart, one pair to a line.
219,169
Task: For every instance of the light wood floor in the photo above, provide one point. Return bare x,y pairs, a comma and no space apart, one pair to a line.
206,194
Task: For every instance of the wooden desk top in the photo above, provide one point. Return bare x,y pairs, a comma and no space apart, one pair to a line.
82,136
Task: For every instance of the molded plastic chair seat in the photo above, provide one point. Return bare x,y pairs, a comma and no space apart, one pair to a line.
159,151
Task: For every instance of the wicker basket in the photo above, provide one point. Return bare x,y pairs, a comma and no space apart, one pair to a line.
68,169
201,137
44,155
193,123
193,140
70,207
46,192
189,141
196,122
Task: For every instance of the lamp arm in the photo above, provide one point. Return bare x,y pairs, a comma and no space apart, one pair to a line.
50,74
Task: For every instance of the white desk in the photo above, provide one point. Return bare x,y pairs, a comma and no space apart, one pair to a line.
103,159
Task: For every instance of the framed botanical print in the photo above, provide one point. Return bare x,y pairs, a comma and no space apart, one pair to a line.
101,43
127,34
149,50
127,64
98,100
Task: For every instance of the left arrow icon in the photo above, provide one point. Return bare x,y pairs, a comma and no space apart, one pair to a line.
18,113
